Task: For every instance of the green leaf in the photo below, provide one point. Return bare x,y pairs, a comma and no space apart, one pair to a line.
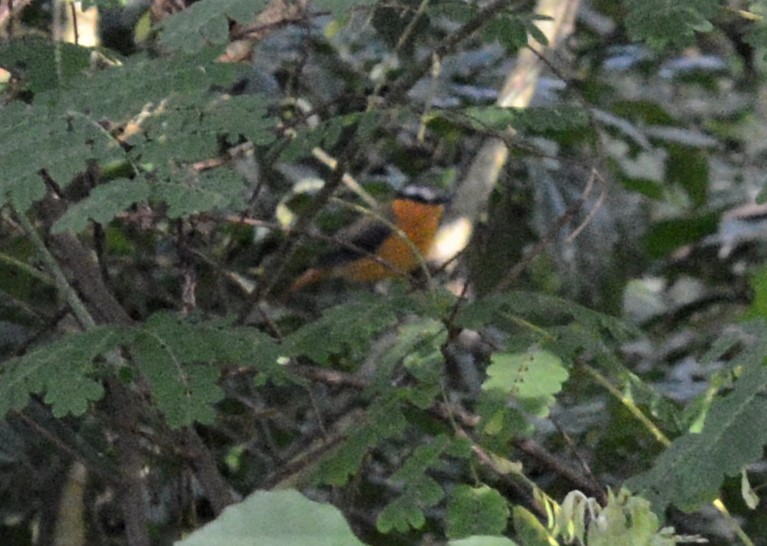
512,31
69,140
346,328
179,359
691,471
758,283
21,129
688,168
180,123
534,312
499,422
627,520
509,31
218,189
384,420
532,378
102,204
328,132
145,84
747,492
184,391
530,531
190,126
476,511
424,359
245,115
402,514
206,22
417,346
40,62
419,491
340,8
668,235
648,188
534,30
482,541
63,371
457,11
276,518
663,23
643,112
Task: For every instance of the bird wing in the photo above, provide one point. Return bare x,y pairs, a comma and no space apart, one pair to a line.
363,240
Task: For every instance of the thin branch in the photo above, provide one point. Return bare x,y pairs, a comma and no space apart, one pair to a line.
663,440
586,484
82,314
584,464
457,416
38,418
547,239
75,31
401,87
638,414
9,9
27,269
289,246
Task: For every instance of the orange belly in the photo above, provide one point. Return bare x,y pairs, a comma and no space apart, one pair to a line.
419,222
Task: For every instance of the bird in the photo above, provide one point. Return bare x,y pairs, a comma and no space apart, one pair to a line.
374,251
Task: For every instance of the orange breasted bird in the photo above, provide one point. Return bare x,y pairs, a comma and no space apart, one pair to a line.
416,211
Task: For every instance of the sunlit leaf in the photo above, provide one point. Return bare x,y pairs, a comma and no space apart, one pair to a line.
277,518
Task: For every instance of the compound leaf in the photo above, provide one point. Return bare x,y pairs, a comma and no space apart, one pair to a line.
347,327
532,377
62,371
419,491
663,23
206,22
476,511
102,204
41,64
384,420
691,471
180,360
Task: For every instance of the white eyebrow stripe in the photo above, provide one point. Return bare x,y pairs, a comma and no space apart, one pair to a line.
421,193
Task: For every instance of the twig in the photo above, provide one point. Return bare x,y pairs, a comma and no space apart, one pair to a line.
445,47
546,240
38,418
8,10
458,417
534,450
594,208
584,464
350,182
75,31
27,269
73,300
409,29
661,438
288,247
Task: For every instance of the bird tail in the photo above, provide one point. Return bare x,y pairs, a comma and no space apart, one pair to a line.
308,277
